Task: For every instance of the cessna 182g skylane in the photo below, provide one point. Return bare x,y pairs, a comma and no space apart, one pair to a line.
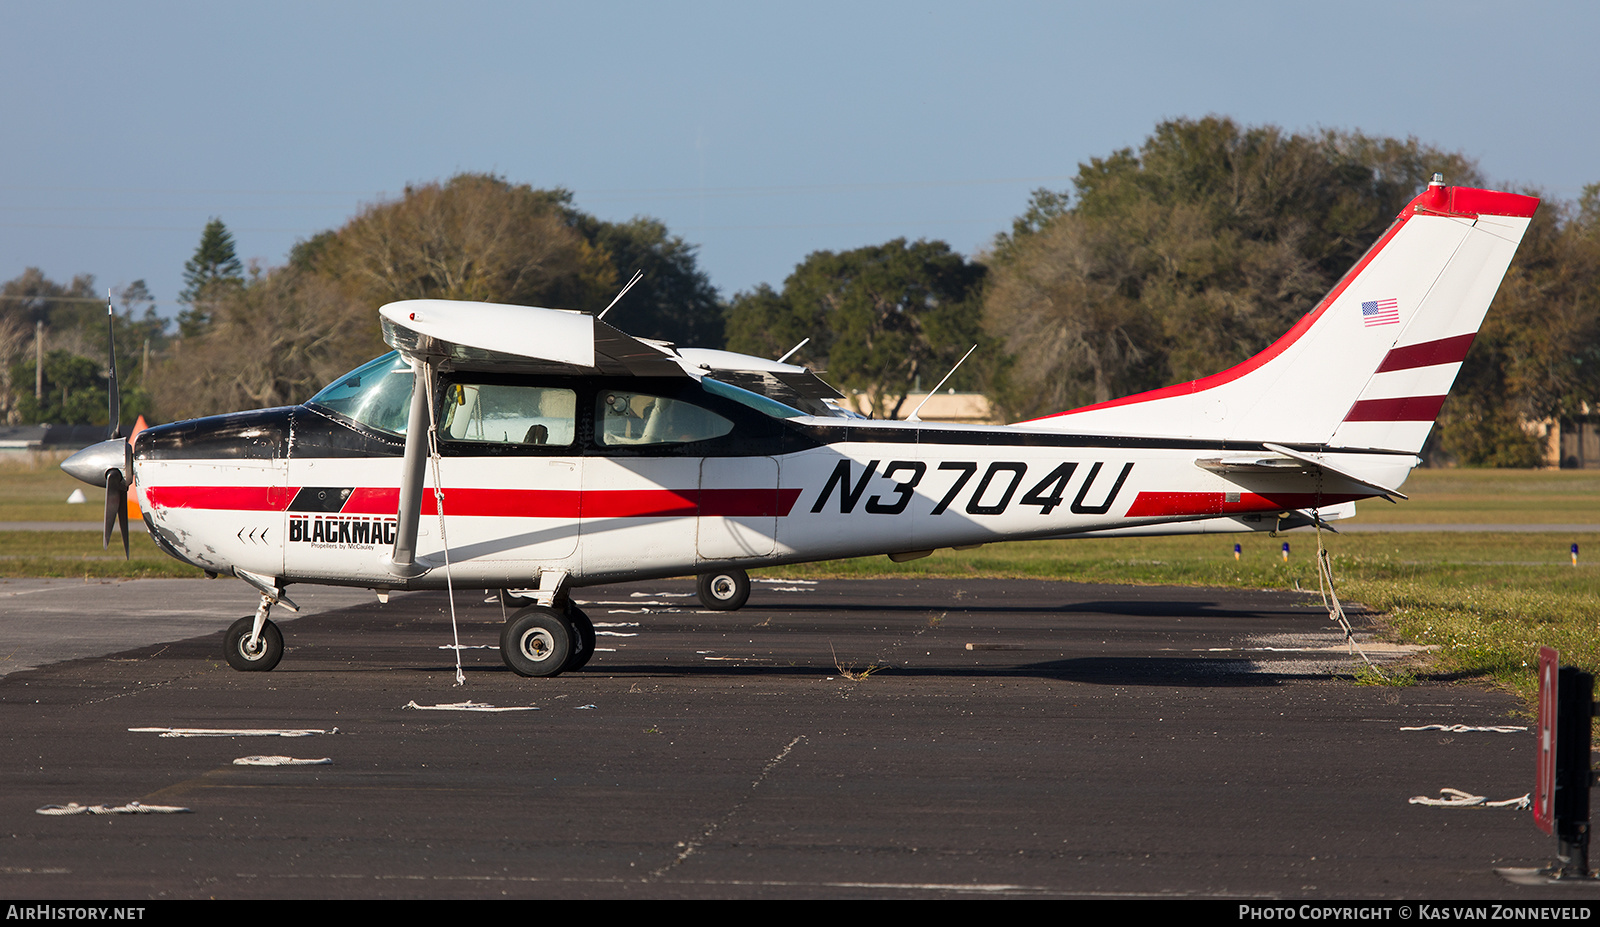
571,454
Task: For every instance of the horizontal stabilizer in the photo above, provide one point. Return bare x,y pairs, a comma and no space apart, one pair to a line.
1287,461
1254,463
1320,462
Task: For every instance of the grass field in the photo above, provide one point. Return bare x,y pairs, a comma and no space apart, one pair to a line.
33,488
1485,600
1476,497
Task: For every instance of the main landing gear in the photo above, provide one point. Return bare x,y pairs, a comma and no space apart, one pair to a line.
540,641
724,590
536,640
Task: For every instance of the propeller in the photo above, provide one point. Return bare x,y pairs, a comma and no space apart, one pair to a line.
117,504
117,476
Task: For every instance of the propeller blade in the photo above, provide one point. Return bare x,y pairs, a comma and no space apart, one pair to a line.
116,509
113,489
115,402
122,507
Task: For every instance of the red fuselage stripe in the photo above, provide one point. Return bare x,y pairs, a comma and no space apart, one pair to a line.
235,498
502,503
1170,504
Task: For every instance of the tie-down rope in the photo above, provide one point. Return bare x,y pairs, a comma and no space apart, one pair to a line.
1330,600
131,807
438,504
1455,798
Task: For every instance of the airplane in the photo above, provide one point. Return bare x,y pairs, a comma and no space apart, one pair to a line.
536,451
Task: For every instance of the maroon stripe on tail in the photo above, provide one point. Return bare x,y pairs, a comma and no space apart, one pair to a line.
1403,409
1428,353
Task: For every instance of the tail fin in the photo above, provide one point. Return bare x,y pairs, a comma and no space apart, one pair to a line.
1371,364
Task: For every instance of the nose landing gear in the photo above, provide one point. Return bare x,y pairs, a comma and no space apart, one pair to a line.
254,644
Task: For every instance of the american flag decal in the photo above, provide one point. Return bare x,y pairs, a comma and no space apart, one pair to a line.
1380,312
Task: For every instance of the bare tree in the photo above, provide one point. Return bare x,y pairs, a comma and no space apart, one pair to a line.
273,342
475,237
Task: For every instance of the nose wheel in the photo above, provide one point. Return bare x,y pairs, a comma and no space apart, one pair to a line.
249,651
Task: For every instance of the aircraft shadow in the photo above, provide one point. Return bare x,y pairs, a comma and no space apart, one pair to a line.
1164,609
1099,671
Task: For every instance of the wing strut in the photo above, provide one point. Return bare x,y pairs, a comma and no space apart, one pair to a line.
403,560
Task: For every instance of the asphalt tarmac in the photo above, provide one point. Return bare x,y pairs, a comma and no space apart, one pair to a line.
834,739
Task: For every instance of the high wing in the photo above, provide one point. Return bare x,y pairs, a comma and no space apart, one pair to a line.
523,339
527,339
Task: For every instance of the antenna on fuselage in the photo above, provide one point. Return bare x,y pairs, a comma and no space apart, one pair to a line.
913,416
803,343
637,276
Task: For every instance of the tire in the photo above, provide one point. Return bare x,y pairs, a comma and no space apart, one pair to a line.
268,650
582,639
724,590
536,642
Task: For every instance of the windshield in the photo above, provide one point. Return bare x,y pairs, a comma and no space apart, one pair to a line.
376,394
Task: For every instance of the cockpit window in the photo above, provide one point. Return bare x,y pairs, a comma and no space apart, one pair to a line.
497,414
376,394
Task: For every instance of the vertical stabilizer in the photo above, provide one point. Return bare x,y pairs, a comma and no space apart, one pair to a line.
1371,364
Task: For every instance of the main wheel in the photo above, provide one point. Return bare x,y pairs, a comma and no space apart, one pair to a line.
724,590
536,642
582,639
263,656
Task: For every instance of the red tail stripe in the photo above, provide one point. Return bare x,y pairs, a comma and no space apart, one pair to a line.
1470,201
503,503
1428,353
1403,409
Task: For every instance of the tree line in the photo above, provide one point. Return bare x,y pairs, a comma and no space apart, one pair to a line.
1160,264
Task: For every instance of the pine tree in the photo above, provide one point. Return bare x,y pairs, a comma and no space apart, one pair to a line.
213,268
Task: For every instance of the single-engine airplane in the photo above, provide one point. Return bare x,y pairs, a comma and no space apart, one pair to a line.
554,451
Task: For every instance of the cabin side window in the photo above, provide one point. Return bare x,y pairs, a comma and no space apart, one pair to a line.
625,418
488,413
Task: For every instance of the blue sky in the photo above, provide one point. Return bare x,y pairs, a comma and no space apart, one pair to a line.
760,131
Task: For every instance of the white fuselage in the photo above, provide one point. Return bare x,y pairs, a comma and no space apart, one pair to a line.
870,488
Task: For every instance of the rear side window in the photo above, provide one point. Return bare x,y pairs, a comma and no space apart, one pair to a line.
625,418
